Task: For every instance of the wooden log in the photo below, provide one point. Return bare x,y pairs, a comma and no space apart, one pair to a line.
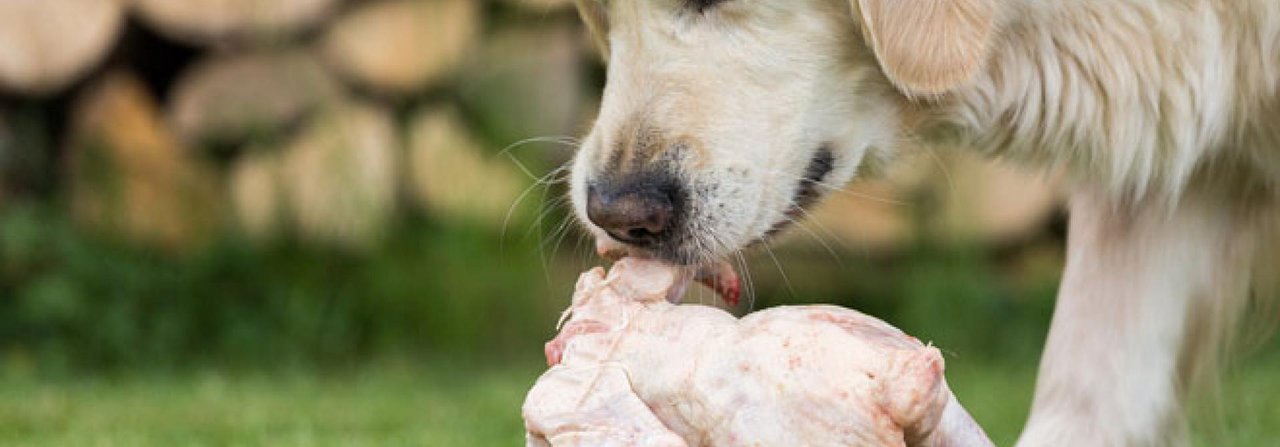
402,46
340,176
451,177
991,202
45,45
970,201
543,6
129,175
220,21
529,82
256,193
235,98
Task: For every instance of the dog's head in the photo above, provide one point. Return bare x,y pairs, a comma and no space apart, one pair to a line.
722,119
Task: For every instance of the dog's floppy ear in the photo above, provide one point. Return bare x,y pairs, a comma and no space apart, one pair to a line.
593,12
928,47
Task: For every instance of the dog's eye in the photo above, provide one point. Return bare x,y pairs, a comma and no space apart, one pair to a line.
703,5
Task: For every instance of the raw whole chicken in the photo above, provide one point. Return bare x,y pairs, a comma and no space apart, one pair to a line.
629,368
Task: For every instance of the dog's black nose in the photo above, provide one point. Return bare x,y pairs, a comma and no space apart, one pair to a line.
639,215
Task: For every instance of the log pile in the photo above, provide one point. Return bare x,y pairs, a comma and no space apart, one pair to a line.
314,118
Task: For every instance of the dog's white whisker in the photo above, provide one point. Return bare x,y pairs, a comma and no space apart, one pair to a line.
564,140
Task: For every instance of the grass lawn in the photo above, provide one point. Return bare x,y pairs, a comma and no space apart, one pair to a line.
383,406
1246,413
390,405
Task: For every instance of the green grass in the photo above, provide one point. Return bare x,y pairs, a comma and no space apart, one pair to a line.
398,405
1245,413
380,407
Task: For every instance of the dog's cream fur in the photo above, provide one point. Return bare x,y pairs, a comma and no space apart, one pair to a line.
1166,112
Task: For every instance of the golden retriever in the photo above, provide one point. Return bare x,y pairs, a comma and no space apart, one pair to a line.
723,119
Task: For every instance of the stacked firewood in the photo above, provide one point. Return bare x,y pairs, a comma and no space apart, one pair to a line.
317,117
327,118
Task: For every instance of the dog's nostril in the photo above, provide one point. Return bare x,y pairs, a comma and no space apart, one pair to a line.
637,216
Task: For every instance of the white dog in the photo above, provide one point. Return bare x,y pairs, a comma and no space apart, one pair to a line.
723,119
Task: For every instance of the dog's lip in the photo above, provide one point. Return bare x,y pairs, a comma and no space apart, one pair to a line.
610,249
719,276
820,166
807,191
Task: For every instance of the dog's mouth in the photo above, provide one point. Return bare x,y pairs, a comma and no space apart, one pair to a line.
808,191
719,275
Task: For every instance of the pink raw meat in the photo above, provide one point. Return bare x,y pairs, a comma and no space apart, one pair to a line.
632,369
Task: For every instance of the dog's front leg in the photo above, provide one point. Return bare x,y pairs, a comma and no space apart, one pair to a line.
1141,286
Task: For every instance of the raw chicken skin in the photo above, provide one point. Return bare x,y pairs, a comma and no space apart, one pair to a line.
632,369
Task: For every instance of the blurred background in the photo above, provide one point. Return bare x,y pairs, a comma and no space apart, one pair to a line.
340,222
